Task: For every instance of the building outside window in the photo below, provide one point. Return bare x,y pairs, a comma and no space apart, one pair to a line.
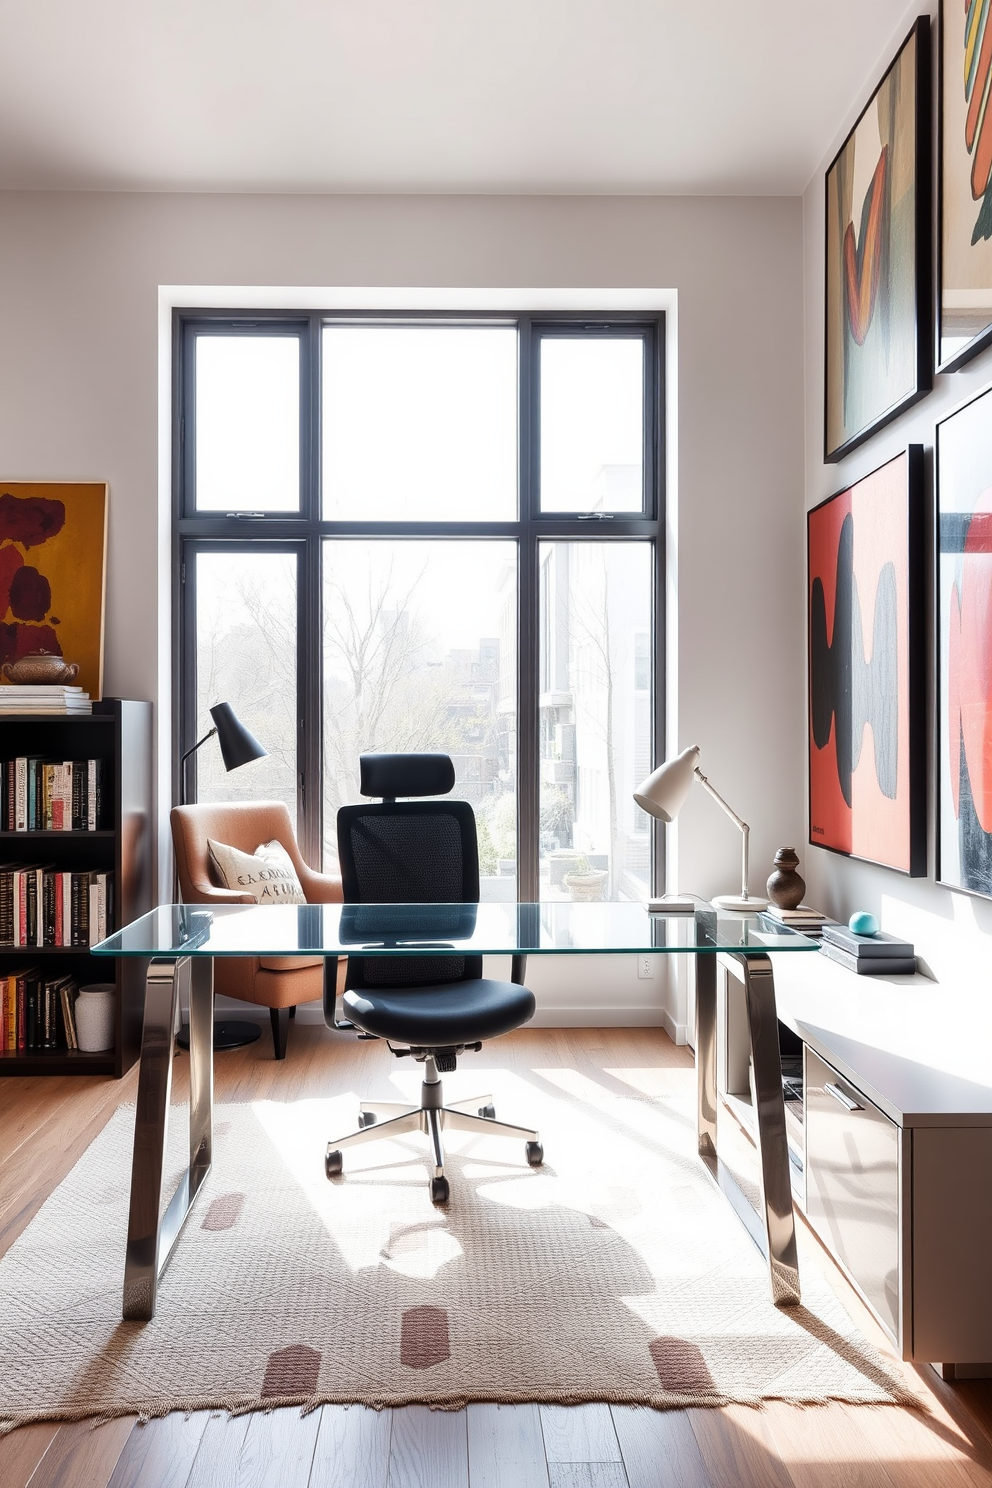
399,534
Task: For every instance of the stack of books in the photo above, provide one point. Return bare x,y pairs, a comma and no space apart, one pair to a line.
868,955
805,920
28,698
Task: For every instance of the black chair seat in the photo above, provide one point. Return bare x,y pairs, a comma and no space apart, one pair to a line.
439,1015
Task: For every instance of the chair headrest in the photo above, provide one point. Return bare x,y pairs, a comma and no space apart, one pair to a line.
392,775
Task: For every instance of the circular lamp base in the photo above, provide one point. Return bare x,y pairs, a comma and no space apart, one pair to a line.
737,905
227,1034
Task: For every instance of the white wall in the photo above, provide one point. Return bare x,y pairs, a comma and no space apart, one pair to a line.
952,931
82,389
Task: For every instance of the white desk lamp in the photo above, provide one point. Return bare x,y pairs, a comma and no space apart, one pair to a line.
663,795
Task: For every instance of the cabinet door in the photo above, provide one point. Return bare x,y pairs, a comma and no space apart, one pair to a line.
852,1186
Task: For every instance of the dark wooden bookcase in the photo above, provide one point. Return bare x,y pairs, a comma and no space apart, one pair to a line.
119,732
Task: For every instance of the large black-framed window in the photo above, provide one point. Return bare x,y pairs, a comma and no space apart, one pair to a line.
410,531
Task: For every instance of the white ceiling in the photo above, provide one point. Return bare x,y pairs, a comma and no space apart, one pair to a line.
642,96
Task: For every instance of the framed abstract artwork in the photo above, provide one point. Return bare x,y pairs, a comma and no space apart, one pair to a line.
867,711
53,549
964,310
964,625
878,356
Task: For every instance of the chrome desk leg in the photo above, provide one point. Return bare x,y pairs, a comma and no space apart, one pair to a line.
150,1240
773,1146
774,1229
706,1055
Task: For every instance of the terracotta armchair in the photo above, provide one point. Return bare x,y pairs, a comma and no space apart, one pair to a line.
279,983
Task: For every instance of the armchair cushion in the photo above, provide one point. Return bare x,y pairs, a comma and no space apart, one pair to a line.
267,875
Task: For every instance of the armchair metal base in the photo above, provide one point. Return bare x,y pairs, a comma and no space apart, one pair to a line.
384,1119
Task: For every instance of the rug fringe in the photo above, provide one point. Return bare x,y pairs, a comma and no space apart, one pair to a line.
243,1405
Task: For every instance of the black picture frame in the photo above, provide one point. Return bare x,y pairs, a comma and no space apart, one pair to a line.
963,482
891,315
964,265
866,650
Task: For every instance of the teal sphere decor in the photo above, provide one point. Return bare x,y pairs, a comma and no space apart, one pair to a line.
863,923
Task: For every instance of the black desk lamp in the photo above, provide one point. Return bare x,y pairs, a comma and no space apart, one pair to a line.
238,746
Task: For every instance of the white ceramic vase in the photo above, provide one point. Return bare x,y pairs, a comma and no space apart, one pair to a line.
94,1014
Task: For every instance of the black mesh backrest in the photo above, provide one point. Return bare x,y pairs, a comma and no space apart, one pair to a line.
409,852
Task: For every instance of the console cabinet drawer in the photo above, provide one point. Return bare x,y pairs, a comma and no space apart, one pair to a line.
852,1186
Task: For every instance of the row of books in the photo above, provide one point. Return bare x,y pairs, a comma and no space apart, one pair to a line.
22,697
37,1012
41,905
39,795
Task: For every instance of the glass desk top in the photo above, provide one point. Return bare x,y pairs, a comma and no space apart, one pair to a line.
586,929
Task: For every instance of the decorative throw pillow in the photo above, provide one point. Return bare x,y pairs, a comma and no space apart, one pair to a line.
267,874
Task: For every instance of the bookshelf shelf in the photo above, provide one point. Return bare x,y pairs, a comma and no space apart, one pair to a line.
12,837
118,731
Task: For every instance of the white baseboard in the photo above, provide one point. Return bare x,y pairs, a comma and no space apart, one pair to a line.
552,1017
677,1032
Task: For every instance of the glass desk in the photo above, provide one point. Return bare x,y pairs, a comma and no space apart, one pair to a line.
180,943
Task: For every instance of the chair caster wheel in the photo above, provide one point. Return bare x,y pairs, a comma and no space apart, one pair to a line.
535,1154
366,1118
489,1112
332,1163
439,1191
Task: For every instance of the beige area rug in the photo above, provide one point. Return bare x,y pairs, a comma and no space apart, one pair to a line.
616,1273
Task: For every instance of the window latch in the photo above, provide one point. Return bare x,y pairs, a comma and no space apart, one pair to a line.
244,514
595,516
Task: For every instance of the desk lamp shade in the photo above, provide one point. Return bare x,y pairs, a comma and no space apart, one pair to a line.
238,745
663,793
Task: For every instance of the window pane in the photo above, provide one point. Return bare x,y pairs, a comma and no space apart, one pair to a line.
592,424
420,423
246,656
419,654
248,423
595,718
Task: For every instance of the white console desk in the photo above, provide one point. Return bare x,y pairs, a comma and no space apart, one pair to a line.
892,1146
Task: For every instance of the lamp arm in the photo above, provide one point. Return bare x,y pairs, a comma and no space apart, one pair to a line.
182,763
193,748
737,820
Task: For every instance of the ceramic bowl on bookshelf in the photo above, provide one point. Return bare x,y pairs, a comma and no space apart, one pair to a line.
94,1014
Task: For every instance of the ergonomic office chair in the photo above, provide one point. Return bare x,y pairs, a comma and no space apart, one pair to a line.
431,1007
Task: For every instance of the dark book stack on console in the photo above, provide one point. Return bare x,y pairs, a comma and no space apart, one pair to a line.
868,955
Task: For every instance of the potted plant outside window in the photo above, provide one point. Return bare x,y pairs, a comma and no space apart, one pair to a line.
584,882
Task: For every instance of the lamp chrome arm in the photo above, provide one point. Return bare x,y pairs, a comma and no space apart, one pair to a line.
737,820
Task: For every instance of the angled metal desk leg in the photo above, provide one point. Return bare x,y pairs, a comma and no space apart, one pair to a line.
149,1239
774,1228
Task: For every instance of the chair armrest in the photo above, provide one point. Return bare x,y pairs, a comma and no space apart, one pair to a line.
320,888
212,895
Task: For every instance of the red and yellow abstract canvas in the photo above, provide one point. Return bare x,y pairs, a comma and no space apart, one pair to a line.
866,786
53,546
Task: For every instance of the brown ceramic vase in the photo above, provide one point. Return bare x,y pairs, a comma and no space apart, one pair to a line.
786,887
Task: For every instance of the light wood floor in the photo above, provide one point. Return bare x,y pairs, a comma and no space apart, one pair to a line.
46,1124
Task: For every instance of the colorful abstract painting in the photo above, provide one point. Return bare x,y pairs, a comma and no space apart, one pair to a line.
867,787
878,357
964,575
53,544
965,311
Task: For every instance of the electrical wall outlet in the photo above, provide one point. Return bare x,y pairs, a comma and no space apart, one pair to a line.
645,965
